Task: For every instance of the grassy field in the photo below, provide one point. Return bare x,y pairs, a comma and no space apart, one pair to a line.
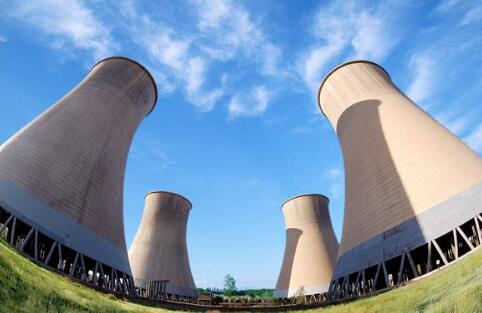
26,287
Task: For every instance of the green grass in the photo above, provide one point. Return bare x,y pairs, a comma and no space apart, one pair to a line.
457,288
26,287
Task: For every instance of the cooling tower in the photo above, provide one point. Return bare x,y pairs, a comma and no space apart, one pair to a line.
62,175
413,190
159,251
310,250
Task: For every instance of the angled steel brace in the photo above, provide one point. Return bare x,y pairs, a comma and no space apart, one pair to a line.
14,226
442,256
51,251
400,271
74,265
412,264
27,238
461,232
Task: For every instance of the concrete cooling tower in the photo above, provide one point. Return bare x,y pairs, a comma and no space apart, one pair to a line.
413,189
159,251
310,250
62,176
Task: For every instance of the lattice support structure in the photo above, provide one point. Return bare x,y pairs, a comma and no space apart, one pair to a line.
413,263
52,254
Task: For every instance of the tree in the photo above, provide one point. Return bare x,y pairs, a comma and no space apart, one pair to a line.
229,285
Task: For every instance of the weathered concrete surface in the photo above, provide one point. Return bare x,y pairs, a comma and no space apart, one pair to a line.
159,249
72,159
311,247
399,163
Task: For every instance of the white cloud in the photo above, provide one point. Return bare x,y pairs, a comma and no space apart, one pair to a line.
474,139
206,101
3,39
161,45
195,75
191,59
228,31
67,22
473,15
252,105
372,39
212,12
423,68
316,62
345,27
174,54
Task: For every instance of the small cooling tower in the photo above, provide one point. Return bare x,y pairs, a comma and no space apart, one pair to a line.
159,251
310,250
413,189
62,175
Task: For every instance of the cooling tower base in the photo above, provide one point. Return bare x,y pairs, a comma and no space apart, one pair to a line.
74,255
431,240
302,291
180,291
167,290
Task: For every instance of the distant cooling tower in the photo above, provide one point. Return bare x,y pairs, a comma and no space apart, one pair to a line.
413,189
159,251
62,176
310,250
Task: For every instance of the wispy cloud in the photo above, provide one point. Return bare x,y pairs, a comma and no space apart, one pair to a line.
189,59
446,5
316,61
474,139
174,52
195,77
224,32
153,153
346,29
65,23
473,15
253,104
3,39
335,178
229,31
423,73
373,39
301,130
471,11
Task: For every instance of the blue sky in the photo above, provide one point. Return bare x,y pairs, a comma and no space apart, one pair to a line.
236,128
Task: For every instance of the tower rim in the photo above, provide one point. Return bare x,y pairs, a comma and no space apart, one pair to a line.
305,195
118,57
339,66
170,193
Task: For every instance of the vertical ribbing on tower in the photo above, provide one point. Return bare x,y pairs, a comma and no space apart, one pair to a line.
310,249
159,250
